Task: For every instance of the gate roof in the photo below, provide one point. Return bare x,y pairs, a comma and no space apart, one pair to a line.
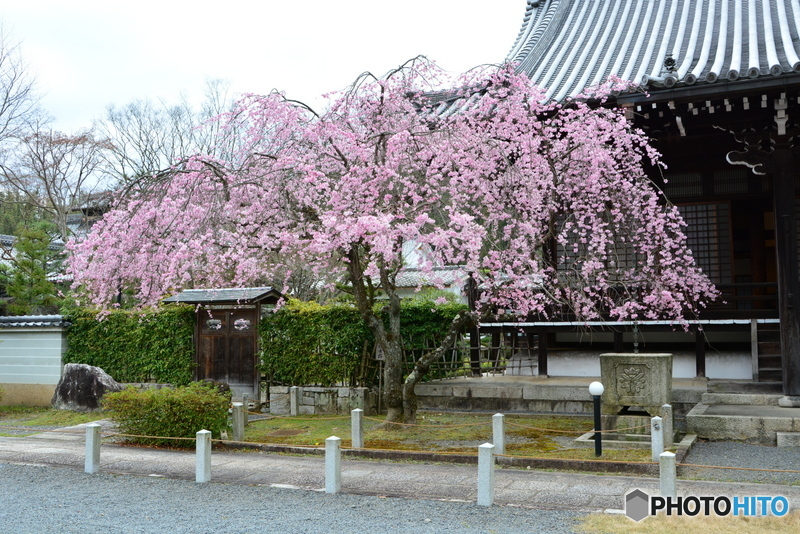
239,295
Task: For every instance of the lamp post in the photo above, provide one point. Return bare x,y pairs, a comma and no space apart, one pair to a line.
596,389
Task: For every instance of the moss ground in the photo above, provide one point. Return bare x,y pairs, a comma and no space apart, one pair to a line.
441,432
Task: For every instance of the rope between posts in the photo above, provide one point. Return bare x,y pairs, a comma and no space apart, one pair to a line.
111,434
570,459
442,453
267,417
608,430
427,426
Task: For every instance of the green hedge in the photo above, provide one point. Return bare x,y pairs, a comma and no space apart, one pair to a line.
153,345
305,343
175,413
301,344
309,344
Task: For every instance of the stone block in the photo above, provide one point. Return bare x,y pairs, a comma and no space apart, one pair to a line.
279,403
487,392
556,393
325,402
788,439
433,390
641,380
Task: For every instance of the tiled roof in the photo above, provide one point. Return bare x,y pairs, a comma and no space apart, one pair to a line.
568,45
235,295
34,321
9,240
447,276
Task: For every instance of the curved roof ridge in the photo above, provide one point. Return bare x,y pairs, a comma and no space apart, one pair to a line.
568,45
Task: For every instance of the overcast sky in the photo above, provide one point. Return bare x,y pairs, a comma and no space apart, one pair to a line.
87,54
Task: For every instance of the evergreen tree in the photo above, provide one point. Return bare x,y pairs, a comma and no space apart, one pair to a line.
24,278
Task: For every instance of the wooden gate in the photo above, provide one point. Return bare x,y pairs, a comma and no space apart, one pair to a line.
228,341
226,334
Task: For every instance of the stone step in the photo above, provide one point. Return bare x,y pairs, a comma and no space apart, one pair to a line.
788,439
737,386
749,399
754,424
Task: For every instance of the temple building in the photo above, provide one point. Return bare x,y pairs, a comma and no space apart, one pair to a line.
718,92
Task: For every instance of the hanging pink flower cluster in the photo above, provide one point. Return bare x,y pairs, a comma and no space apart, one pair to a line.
547,205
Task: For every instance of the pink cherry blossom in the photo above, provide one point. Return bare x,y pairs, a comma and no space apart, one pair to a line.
548,206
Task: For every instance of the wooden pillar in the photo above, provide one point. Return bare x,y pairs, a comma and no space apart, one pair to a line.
700,352
475,350
471,289
618,344
542,351
495,351
787,258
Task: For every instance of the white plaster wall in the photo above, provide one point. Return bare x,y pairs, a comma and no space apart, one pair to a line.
31,356
729,366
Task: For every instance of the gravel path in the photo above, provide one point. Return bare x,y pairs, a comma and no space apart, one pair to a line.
736,454
68,501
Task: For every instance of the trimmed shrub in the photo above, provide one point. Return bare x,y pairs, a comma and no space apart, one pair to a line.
169,413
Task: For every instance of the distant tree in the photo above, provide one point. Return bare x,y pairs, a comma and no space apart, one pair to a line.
488,177
24,273
19,101
54,173
15,211
147,137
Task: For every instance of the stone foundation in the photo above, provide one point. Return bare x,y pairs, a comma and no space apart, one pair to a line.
320,400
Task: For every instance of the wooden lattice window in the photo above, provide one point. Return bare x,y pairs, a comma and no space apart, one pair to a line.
708,235
685,184
730,182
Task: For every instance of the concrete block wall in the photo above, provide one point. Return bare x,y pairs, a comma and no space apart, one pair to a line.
323,400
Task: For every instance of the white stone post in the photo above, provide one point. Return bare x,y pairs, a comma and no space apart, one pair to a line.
238,421
356,428
656,437
499,433
668,474
203,460
246,404
669,429
333,465
92,460
486,475
294,400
